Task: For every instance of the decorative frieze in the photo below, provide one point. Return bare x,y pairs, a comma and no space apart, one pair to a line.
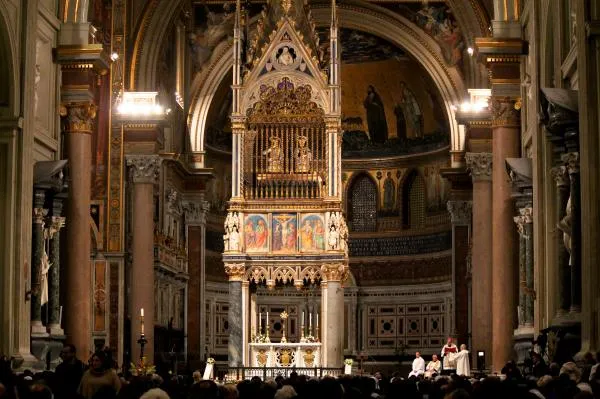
479,165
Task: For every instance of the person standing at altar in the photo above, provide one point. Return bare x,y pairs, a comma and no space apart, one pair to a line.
418,366
448,363
463,366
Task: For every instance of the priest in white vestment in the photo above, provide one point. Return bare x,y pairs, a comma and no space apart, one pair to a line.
448,363
462,361
418,366
433,367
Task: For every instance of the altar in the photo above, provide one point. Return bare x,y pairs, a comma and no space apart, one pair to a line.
288,355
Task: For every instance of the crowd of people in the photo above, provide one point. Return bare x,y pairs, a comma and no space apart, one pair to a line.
73,379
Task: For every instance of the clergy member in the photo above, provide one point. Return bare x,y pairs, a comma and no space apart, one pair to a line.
462,361
418,366
433,367
449,365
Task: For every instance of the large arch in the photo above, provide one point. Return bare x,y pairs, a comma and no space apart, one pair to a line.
152,28
9,80
360,16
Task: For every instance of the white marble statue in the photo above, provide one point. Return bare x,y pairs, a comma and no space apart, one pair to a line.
231,238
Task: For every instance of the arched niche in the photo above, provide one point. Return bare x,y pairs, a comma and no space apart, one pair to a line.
362,199
363,17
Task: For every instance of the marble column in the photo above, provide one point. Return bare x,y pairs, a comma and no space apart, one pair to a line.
144,171
505,144
195,220
78,118
236,273
527,215
460,216
57,223
480,166
572,162
38,242
332,320
560,175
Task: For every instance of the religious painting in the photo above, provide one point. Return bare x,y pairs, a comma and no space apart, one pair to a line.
213,25
312,233
256,233
284,227
436,189
437,20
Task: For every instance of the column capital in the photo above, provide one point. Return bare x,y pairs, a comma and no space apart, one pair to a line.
334,271
195,211
460,212
144,168
506,111
39,214
571,160
560,175
527,214
57,222
235,271
479,165
78,117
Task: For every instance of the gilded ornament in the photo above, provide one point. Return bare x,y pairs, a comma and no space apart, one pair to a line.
262,357
309,358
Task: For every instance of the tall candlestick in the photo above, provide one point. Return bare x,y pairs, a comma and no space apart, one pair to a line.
310,323
260,322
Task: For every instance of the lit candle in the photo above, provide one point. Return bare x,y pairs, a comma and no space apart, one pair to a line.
142,321
303,318
260,323
310,323
142,312
317,319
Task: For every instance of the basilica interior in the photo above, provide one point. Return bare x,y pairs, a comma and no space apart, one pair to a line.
195,180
